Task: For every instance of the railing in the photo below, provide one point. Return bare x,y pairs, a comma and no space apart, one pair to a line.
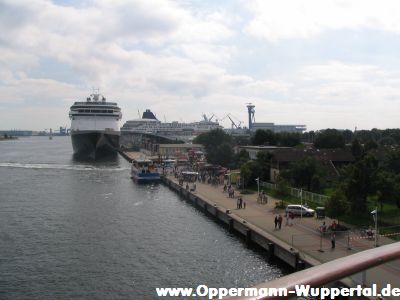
331,271
307,196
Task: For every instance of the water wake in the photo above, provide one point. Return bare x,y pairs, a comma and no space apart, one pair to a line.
60,167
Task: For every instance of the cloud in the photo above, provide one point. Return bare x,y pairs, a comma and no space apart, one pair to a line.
182,58
291,19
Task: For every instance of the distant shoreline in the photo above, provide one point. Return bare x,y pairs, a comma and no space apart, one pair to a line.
2,138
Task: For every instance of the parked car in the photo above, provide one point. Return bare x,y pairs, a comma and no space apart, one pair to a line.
297,210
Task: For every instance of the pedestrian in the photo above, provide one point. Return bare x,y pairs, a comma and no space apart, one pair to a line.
238,203
263,198
276,221
280,221
323,227
333,240
291,217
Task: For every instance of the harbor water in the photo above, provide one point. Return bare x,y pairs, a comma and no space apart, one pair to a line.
73,229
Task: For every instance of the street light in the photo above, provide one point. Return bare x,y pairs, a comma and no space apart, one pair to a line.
301,203
258,186
374,214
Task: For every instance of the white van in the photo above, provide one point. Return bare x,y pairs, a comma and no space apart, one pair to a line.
298,210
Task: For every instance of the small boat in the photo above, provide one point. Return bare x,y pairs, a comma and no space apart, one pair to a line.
144,170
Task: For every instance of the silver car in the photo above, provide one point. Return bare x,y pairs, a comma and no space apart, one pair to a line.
298,210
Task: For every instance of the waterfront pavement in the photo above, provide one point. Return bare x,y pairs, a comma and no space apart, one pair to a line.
304,234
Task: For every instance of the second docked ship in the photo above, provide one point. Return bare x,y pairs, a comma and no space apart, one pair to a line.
95,127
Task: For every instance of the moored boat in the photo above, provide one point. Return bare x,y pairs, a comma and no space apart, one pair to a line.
144,170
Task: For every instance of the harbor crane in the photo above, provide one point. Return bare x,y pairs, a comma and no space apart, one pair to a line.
234,125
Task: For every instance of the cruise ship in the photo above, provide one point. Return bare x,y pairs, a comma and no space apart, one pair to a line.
149,124
95,127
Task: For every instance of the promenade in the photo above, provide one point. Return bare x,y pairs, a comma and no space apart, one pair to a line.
304,235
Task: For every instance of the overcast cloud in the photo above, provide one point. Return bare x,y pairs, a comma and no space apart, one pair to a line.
324,63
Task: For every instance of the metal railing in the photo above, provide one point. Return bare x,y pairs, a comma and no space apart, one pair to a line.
331,271
298,193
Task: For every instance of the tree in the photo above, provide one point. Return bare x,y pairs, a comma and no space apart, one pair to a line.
282,186
301,173
392,161
358,183
356,149
347,135
241,140
337,205
223,155
218,146
264,137
288,139
213,138
241,158
264,164
384,185
329,139
316,183
246,173
370,145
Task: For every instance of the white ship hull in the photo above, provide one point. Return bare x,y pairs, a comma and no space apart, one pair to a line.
95,127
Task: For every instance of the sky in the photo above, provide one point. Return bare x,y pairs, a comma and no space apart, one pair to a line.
325,64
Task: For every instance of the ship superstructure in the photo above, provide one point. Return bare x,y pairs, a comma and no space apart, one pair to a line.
149,124
95,127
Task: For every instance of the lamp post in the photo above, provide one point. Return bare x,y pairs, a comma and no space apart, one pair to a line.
301,203
258,186
374,214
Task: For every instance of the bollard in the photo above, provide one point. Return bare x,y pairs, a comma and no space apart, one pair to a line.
271,248
300,265
320,242
248,237
230,225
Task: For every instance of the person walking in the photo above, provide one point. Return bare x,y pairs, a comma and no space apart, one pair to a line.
291,217
280,221
333,241
276,221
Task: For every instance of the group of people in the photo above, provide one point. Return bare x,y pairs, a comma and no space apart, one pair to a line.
262,198
278,222
333,227
231,191
240,203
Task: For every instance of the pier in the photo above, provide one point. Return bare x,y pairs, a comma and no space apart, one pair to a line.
300,246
